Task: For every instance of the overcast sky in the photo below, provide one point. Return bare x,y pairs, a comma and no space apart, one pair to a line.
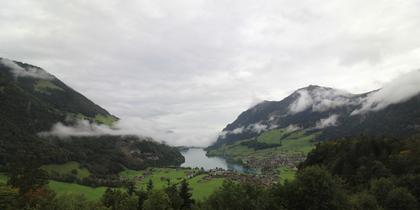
182,70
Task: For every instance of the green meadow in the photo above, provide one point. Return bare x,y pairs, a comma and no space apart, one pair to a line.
67,168
159,176
44,86
201,188
286,174
70,188
107,120
99,118
3,178
288,143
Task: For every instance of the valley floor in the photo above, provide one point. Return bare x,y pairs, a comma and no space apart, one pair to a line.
202,183
274,164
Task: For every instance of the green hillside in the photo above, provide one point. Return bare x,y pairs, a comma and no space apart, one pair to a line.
274,151
281,141
62,188
71,167
33,101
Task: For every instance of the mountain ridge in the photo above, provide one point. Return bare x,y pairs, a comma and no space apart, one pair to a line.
333,112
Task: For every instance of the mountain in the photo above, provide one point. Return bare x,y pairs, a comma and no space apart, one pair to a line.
32,101
328,112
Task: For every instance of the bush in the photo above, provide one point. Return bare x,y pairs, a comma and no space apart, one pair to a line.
400,198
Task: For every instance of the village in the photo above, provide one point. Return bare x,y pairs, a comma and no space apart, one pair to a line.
269,165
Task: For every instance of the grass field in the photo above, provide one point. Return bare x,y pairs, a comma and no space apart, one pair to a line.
107,120
200,188
286,174
99,118
159,176
44,86
3,178
273,136
66,188
289,143
67,168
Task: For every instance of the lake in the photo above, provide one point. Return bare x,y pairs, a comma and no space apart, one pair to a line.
196,157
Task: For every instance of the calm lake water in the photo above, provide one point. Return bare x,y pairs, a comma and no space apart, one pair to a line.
196,157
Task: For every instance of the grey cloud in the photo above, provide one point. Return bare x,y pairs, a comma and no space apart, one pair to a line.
321,99
396,91
303,102
254,128
82,128
257,127
292,128
127,126
234,131
192,66
327,122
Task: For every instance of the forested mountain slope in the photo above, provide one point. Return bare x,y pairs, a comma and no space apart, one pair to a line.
331,112
32,101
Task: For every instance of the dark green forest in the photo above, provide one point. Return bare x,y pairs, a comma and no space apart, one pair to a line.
357,174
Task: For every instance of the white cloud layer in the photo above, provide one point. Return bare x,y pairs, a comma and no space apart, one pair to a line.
302,103
254,128
321,99
81,128
128,126
398,90
327,122
190,136
292,128
193,65
18,71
